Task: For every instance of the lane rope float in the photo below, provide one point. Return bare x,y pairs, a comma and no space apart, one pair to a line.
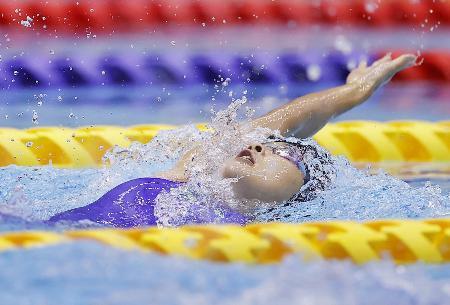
402,241
359,141
105,16
112,69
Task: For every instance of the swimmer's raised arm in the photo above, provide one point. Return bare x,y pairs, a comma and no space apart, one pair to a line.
306,115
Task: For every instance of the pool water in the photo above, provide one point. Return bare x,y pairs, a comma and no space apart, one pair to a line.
87,273
31,195
90,273
163,105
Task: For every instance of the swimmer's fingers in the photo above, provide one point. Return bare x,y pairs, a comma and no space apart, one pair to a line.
396,65
404,61
357,72
381,71
384,59
387,69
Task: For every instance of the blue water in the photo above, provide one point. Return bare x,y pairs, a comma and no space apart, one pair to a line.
90,273
86,273
31,195
170,104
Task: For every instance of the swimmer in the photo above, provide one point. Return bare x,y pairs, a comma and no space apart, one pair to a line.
276,171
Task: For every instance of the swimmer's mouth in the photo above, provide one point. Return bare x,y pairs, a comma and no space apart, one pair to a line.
246,156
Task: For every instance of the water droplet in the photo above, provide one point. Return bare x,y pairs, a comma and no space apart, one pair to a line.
370,7
27,23
342,44
35,117
351,64
226,82
313,72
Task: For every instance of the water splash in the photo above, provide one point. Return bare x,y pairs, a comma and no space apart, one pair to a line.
359,195
205,190
36,194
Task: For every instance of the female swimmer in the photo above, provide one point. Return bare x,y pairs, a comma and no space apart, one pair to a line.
278,170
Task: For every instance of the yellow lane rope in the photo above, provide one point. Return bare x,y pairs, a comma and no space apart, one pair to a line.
359,141
403,241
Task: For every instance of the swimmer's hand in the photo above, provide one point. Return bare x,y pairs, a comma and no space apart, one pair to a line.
369,78
306,115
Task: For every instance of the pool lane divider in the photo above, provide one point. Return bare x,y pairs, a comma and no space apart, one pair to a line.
128,16
402,241
203,68
358,141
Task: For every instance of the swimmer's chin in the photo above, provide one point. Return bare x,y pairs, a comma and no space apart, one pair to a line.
234,169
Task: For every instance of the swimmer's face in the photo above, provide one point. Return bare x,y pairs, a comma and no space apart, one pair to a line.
263,175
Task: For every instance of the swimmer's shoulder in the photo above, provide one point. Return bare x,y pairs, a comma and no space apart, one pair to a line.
174,175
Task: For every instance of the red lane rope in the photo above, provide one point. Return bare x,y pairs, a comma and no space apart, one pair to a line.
126,15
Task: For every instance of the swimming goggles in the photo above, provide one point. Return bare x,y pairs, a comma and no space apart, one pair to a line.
289,151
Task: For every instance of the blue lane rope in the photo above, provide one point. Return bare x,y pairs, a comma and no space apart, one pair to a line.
174,69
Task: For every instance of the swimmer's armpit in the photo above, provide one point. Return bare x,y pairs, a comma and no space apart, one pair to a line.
306,115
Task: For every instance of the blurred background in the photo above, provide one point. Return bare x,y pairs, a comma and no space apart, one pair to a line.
76,63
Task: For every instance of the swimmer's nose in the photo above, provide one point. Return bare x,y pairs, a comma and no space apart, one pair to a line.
258,148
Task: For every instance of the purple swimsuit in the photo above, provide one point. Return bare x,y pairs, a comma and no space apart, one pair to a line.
131,204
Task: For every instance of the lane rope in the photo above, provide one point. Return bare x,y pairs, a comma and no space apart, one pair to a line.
403,241
107,16
359,141
204,68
